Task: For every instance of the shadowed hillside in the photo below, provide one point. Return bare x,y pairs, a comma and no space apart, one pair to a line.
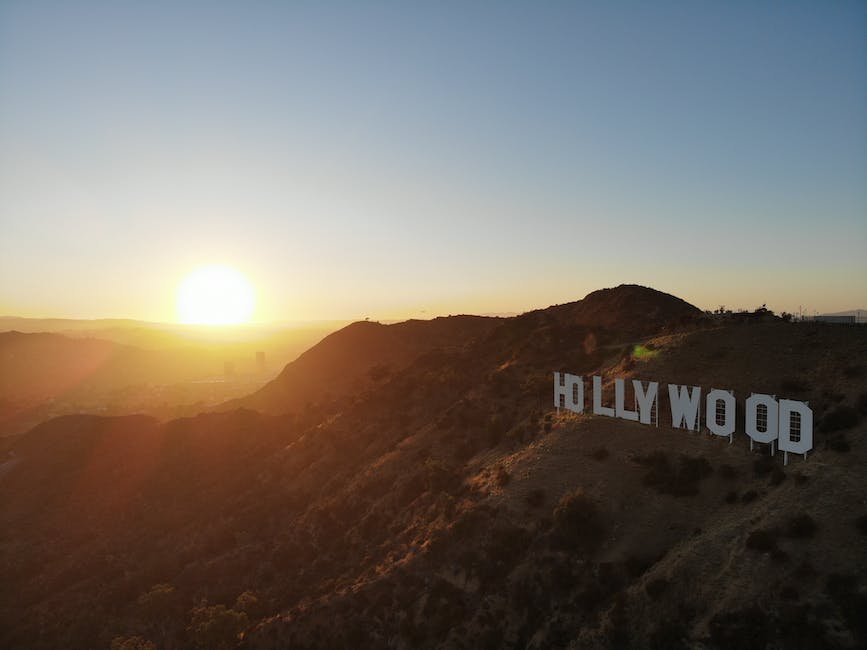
358,356
363,354
449,505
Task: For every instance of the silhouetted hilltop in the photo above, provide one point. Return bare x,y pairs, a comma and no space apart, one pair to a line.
628,308
356,357
447,504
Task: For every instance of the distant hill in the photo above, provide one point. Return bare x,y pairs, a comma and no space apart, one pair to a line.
851,312
41,365
22,324
294,336
857,315
46,374
447,504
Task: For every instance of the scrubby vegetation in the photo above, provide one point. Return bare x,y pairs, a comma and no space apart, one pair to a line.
762,540
841,417
578,521
601,453
677,480
536,498
438,507
794,385
801,526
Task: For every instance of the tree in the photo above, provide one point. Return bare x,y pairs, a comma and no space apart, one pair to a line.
132,643
578,521
249,604
159,609
216,626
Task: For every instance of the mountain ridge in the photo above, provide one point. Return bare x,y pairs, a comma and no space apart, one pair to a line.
398,343
449,505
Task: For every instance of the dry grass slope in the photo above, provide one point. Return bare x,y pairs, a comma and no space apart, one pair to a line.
447,505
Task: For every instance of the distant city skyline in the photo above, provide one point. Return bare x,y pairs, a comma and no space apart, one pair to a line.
388,161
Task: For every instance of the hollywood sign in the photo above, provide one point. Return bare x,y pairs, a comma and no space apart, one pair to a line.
786,424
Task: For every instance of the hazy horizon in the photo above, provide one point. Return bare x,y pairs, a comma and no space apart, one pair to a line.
388,161
253,324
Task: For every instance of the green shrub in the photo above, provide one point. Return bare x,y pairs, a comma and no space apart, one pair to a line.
842,417
777,475
496,429
216,626
132,643
503,550
600,454
749,496
636,566
789,592
577,521
794,385
851,372
535,498
694,468
656,587
762,540
670,635
801,526
747,628
677,481
763,465
439,477
850,600
249,604
158,603
861,404
839,443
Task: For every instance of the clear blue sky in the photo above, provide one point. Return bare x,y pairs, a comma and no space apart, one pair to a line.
385,160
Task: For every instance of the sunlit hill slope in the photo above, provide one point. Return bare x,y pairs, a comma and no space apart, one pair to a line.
410,486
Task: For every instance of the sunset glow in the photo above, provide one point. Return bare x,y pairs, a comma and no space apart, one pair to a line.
215,295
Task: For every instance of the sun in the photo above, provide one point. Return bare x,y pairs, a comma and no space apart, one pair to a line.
215,295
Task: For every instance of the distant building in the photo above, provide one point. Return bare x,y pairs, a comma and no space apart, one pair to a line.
260,361
229,369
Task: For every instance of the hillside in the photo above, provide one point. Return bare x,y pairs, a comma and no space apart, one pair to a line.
359,356
627,309
449,505
363,354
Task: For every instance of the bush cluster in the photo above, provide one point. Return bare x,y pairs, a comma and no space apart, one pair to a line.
801,526
680,480
842,417
578,522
